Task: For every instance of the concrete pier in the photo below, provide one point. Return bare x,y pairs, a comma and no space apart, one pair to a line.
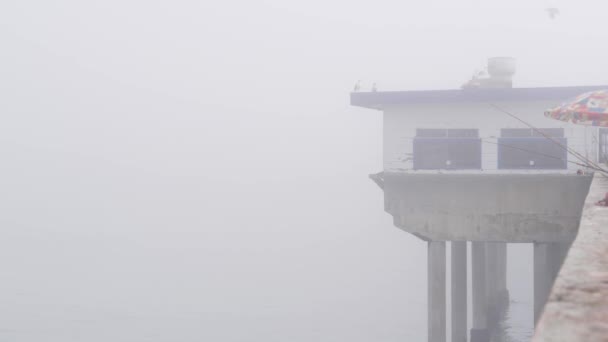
486,207
459,291
436,268
490,210
494,289
548,259
503,291
556,253
542,283
577,309
479,331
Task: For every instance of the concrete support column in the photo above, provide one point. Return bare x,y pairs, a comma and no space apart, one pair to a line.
436,291
556,254
548,259
503,291
459,291
492,274
479,332
541,278
496,278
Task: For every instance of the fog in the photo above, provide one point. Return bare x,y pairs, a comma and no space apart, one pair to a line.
193,171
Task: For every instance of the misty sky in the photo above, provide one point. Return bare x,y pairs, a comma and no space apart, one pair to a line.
274,65
169,165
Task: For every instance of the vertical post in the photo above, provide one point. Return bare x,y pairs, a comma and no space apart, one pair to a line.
436,291
541,278
459,291
548,259
479,332
491,263
503,294
556,253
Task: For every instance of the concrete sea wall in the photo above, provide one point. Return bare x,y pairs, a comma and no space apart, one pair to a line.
577,309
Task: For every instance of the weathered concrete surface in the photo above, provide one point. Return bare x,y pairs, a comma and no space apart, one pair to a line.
459,291
479,330
577,309
486,207
497,295
436,291
542,281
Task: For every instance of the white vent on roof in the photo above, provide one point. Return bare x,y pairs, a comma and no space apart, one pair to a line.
501,70
499,74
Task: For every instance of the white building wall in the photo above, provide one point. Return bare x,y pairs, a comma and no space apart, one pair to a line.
400,124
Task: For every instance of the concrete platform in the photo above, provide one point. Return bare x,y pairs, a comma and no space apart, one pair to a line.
486,207
577,309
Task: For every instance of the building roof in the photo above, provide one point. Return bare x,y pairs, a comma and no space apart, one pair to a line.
381,100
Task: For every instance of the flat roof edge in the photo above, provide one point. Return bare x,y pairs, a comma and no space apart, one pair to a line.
381,100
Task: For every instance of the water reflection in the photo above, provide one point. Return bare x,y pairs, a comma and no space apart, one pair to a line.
467,222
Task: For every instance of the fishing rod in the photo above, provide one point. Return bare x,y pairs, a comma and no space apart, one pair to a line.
528,151
574,153
567,149
538,153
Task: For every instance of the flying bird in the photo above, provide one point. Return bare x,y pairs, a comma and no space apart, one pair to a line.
553,12
357,86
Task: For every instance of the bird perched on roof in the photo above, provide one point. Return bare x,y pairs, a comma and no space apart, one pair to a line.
357,86
553,12
374,87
